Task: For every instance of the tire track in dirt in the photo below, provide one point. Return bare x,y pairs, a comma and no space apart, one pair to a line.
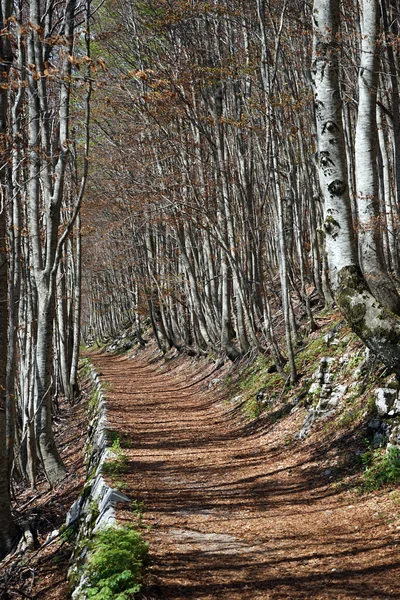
235,514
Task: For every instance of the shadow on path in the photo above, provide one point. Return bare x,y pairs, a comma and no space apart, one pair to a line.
234,514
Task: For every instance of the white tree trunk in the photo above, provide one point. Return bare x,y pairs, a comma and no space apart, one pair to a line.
46,185
332,168
369,218
8,529
377,327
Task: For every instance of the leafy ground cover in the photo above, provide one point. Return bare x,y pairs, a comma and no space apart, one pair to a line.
236,506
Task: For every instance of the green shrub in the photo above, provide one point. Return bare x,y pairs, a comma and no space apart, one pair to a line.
119,464
116,564
381,467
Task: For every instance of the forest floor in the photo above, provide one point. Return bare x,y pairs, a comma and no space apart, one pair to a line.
41,572
233,508
236,509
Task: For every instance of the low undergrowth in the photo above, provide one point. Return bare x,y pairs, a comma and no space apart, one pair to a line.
119,463
115,566
348,431
259,386
382,467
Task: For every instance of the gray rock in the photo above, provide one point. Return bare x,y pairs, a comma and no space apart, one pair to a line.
214,382
309,421
326,391
374,424
385,399
378,440
315,388
236,398
331,338
74,512
52,536
316,376
329,399
337,394
328,378
394,436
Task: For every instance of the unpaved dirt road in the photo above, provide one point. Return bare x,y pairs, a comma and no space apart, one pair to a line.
239,512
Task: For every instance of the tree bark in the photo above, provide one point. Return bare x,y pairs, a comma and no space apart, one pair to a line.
376,326
369,218
8,530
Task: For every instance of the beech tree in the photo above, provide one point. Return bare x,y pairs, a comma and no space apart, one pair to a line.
8,529
370,223
376,325
200,162
44,172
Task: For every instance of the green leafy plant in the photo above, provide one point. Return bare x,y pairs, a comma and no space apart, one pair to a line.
125,440
119,464
138,508
115,566
112,436
381,467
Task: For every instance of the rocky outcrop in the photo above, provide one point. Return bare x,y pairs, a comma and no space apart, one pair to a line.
387,402
127,339
323,394
327,388
95,508
384,429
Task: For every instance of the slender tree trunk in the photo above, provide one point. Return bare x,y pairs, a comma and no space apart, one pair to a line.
76,318
389,37
46,181
369,218
62,329
8,529
387,197
283,269
49,454
377,327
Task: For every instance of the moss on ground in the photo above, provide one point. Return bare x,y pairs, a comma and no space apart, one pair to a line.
253,376
278,397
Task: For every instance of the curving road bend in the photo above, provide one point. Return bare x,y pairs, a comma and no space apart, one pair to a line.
238,511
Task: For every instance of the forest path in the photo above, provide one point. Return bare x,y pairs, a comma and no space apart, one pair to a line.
235,512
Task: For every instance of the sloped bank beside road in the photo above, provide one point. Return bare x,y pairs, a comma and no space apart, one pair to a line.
95,508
